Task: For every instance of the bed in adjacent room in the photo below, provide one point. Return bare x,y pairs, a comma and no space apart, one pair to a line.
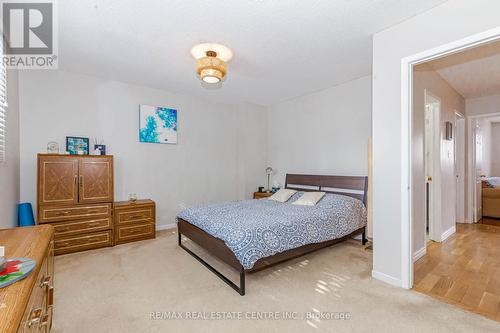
253,234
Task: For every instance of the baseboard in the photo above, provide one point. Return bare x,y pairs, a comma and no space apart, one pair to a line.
387,279
448,233
166,226
420,253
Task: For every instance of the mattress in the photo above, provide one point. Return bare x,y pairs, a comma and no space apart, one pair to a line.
255,229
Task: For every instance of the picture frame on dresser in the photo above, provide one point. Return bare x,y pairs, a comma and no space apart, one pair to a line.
76,145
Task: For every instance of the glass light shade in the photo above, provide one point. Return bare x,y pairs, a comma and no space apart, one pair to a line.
223,52
211,69
210,79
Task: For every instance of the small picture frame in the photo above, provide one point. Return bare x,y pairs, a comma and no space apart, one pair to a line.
102,149
449,131
77,145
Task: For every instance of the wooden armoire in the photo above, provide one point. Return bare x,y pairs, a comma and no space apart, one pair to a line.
75,195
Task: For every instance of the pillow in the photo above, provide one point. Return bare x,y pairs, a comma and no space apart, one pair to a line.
309,198
282,195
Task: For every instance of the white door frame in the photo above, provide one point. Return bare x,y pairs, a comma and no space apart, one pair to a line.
471,164
407,64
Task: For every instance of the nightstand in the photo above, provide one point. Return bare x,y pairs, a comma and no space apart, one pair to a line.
134,221
261,195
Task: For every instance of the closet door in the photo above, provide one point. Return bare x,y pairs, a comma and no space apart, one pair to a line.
57,180
95,179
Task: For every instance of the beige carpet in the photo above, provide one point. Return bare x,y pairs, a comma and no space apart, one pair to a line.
116,289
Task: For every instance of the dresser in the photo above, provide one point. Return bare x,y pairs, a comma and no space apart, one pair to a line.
134,221
26,306
75,195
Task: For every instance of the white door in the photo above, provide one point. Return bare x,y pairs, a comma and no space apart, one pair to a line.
478,158
460,167
432,153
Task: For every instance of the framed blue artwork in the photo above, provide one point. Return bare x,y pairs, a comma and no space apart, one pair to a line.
157,124
77,145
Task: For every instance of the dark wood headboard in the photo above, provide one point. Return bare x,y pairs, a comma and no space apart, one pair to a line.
329,184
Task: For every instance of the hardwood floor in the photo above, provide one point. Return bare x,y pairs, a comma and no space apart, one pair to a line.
464,270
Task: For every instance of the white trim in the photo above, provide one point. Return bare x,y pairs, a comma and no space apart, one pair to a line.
448,233
420,253
386,278
166,226
406,178
407,64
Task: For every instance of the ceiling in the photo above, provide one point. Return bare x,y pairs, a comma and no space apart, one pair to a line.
282,49
472,73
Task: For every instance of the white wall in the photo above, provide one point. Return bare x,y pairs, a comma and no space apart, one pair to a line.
325,132
443,24
424,79
220,153
9,170
495,150
482,105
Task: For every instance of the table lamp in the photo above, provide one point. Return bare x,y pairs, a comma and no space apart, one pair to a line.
269,171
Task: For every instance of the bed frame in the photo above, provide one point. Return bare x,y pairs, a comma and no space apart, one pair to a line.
217,247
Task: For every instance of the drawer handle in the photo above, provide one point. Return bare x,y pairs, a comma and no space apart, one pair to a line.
138,216
44,282
50,297
62,229
62,213
44,321
94,224
35,316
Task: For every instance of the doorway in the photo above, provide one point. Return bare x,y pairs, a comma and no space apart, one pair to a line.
457,268
407,67
477,163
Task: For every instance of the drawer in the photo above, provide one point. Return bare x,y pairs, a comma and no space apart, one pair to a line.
62,229
83,242
134,232
53,214
139,214
36,318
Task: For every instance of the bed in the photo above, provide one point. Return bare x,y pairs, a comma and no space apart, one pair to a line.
251,235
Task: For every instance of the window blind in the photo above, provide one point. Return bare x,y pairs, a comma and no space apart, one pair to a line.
3,104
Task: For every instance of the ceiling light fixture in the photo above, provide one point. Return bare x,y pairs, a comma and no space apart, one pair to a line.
211,61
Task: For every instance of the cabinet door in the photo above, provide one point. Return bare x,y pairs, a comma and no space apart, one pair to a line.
96,180
57,180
